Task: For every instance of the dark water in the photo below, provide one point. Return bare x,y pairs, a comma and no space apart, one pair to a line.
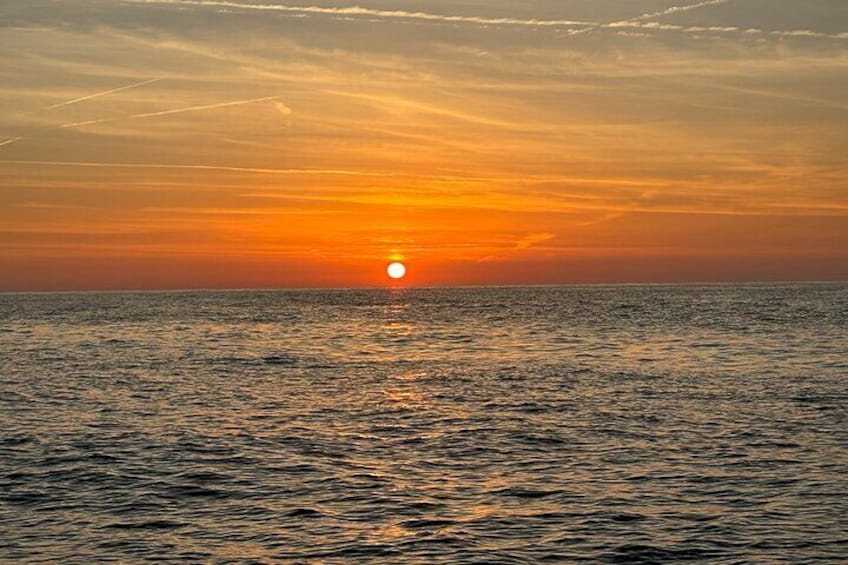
608,425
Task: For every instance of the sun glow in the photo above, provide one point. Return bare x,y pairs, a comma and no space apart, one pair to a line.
396,270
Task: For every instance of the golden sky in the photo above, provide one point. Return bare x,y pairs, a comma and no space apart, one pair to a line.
177,143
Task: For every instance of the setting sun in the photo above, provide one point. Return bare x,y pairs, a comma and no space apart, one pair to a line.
396,270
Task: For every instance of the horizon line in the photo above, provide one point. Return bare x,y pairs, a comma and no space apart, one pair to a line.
423,287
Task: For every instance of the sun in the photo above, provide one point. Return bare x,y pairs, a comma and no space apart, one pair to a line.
396,270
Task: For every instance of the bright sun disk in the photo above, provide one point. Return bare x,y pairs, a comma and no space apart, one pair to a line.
396,270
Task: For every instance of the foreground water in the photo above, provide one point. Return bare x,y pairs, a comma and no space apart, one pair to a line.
499,425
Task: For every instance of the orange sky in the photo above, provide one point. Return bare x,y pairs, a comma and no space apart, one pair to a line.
176,144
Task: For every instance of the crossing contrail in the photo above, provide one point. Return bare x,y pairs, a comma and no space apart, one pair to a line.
104,93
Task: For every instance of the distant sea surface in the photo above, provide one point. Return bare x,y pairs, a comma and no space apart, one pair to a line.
631,424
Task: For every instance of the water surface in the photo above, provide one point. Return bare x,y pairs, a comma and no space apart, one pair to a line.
488,425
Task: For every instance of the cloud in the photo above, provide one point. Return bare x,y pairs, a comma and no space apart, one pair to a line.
532,239
282,108
387,101
524,243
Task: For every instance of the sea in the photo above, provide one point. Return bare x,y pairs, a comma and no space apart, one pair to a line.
593,424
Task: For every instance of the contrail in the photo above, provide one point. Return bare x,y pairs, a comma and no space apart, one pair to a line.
636,21
639,22
340,172
204,107
359,11
576,27
104,93
167,112
10,141
676,9
88,123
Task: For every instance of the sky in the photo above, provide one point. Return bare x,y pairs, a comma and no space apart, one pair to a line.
306,143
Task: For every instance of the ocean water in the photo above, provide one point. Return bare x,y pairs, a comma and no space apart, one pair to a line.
635,424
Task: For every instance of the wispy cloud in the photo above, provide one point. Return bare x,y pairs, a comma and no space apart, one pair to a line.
409,104
522,244
532,239
104,93
282,108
